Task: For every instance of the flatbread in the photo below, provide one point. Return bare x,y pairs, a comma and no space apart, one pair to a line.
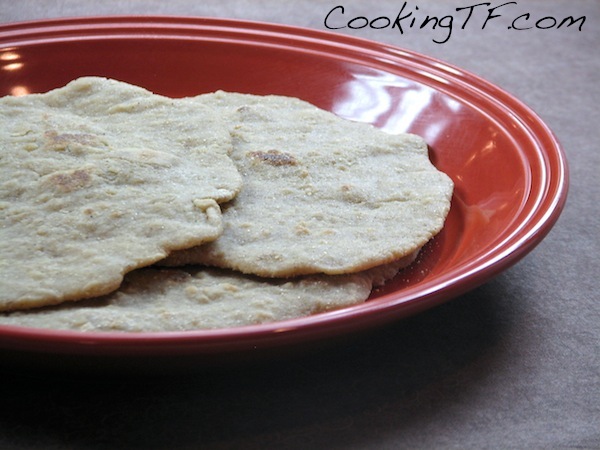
99,178
321,194
198,298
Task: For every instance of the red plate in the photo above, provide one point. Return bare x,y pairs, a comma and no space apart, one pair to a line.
509,170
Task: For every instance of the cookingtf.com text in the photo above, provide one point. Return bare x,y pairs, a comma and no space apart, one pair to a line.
410,17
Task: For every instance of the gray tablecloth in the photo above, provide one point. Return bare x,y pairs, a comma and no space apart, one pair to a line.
512,364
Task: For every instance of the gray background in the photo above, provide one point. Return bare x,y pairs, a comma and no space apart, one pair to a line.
512,364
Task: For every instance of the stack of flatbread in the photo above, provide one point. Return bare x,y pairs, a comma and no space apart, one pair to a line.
123,210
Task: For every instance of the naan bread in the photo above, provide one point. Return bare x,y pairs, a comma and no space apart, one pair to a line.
99,178
321,194
182,300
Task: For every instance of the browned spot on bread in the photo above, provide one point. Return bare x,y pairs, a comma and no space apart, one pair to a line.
71,180
274,158
61,141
